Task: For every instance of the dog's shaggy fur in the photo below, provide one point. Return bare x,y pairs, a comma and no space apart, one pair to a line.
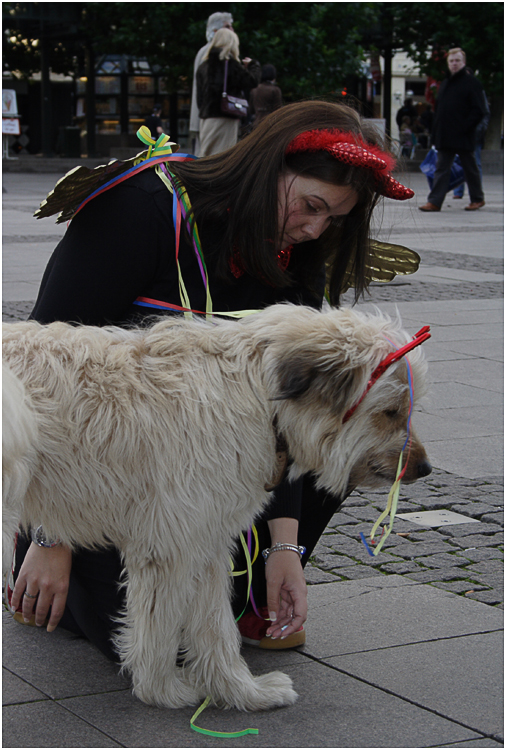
161,441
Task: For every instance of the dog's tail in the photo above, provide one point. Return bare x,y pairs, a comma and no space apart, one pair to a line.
19,441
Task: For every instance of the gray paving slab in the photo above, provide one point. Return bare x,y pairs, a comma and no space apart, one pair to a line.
452,395
470,331
443,275
16,690
474,421
477,454
446,312
47,724
470,744
469,373
445,688
42,660
362,616
458,243
478,348
333,710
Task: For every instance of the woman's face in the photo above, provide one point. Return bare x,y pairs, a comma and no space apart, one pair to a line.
308,206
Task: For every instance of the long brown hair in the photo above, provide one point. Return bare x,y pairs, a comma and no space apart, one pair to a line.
239,187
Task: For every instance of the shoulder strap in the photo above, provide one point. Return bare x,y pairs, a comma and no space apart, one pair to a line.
225,78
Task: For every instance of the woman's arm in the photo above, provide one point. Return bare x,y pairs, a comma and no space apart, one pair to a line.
286,585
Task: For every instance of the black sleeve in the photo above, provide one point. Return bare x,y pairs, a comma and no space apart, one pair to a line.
477,108
108,254
241,79
287,501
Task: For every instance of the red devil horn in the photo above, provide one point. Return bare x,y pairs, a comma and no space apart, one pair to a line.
357,156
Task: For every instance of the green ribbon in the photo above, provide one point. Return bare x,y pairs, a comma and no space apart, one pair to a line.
160,147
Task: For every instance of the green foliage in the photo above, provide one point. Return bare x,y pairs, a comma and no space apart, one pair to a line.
22,23
314,46
478,28
167,34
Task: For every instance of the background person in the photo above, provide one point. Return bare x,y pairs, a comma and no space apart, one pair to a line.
459,110
214,22
219,132
273,214
267,96
407,110
154,122
406,137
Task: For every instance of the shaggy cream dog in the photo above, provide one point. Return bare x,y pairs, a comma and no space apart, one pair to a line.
163,439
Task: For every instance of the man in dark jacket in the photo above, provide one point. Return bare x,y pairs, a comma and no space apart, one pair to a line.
460,108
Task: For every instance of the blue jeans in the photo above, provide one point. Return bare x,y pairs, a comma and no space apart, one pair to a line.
459,191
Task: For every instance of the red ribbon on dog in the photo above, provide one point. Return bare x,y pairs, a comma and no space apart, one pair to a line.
422,335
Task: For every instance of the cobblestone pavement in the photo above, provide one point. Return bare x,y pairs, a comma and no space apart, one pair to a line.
466,559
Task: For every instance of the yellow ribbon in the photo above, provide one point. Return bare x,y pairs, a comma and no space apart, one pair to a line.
159,147
393,497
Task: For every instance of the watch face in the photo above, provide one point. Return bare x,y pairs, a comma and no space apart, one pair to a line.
41,540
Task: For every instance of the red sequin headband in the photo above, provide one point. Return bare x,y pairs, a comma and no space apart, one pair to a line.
351,149
422,335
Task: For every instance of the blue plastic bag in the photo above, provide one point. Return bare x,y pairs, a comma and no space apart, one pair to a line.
428,167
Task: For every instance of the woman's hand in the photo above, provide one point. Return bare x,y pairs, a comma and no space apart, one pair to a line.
45,574
286,586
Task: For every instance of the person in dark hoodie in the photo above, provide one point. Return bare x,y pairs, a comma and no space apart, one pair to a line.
460,108
217,131
267,97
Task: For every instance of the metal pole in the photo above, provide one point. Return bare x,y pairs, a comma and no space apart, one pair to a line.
90,101
45,95
387,89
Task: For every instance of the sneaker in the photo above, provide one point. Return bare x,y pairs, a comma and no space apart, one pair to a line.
253,633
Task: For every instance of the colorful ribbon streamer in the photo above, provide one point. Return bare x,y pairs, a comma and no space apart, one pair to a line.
249,596
393,495
210,732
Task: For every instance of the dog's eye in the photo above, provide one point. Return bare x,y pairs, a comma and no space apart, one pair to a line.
392,413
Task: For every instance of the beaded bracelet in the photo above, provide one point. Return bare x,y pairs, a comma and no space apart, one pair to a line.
283,546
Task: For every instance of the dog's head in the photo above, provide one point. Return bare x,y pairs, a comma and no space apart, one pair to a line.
319,365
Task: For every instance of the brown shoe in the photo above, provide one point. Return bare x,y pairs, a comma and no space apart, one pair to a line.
475,206
429,207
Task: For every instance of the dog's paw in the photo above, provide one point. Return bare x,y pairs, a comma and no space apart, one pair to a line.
267,691
174,694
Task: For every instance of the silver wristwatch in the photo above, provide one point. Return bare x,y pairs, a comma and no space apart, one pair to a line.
39,538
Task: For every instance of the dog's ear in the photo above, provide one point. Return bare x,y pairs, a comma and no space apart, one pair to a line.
305,374
295,376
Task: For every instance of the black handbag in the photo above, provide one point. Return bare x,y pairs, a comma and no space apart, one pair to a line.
232,106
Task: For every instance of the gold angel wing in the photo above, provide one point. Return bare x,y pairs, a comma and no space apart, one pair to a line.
81,182
386,261
72,189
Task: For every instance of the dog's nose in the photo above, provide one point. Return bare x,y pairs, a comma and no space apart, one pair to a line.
424,468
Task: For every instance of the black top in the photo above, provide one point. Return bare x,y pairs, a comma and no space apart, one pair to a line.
122,246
